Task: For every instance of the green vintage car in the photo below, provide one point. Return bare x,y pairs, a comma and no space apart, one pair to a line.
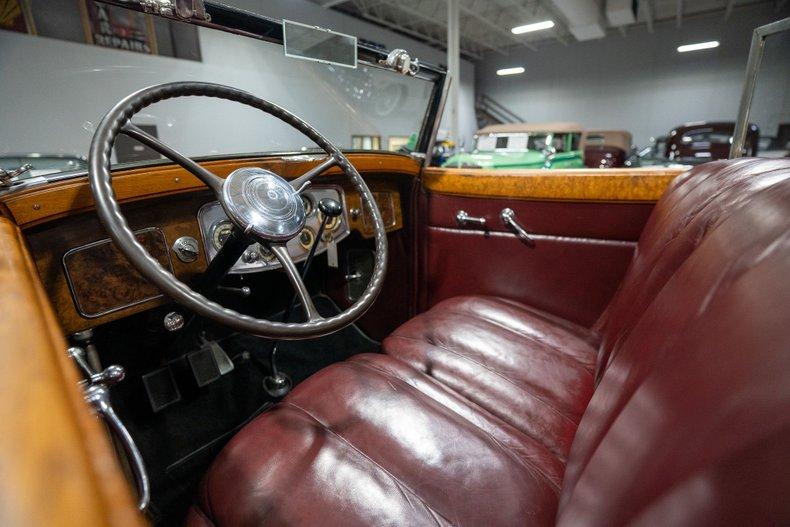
524,145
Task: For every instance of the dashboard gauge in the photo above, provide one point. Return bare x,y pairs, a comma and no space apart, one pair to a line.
306,238
307,202
332,224
219,233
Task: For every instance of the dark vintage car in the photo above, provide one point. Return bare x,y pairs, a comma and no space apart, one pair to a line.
266,328
606,148
700,142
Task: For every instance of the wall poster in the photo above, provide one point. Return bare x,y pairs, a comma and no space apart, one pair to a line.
118,28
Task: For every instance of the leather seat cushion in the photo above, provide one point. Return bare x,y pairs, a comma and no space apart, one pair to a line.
528,368
372,441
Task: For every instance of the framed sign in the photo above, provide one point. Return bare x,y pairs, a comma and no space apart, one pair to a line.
15,16
118,28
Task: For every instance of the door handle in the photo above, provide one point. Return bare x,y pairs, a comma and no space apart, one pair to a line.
463,219
509,219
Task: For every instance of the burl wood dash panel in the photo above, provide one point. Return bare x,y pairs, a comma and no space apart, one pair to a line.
174,216
102,280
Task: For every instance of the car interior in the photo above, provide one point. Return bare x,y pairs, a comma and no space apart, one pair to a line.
329,336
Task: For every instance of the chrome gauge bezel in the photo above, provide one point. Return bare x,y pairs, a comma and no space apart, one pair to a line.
212,216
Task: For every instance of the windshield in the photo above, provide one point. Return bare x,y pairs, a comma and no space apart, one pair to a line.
56,91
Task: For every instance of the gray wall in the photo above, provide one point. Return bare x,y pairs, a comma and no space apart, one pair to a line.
59,90
638,82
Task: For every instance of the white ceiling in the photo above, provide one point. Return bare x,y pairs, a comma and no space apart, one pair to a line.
485,24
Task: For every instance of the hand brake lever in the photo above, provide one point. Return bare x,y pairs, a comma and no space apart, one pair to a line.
96,390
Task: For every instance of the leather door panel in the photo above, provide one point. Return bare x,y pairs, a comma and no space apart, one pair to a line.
581,252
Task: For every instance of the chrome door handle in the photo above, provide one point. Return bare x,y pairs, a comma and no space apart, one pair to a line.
463,219
509,219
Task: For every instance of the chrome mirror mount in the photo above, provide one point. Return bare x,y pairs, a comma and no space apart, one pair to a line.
400,61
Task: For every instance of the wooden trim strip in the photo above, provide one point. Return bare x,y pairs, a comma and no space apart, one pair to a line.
618,184
58,466
56,200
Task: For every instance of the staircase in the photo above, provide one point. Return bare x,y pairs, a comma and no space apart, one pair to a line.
488,111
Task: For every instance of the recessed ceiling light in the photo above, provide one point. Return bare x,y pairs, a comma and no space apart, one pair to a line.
696,47
537,26
510,71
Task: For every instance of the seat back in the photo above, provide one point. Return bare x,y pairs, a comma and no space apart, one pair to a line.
690,421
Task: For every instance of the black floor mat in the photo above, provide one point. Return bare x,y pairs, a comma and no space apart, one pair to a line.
179,443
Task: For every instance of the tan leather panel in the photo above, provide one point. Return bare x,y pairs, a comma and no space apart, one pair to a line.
55,200
589,184
57,465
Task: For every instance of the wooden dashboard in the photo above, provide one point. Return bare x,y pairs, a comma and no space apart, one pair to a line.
90,283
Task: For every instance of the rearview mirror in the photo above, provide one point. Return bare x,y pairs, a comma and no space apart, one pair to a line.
315,43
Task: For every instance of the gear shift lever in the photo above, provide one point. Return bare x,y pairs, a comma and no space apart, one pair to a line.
278,384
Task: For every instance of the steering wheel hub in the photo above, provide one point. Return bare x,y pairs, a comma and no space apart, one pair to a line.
264,203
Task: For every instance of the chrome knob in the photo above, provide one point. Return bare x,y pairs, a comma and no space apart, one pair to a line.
174,321
110,375
250,256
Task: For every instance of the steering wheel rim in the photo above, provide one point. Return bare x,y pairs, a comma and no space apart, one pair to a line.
117,121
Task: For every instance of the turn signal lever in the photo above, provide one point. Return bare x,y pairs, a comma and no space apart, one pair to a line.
96,390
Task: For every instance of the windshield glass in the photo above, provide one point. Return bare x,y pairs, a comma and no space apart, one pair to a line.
55,91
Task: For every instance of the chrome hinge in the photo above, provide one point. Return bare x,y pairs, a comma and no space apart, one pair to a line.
183,10
400,61
10,178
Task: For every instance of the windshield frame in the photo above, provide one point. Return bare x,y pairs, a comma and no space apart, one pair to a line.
261,27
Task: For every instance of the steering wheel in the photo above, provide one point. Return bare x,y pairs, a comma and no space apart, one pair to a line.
263,207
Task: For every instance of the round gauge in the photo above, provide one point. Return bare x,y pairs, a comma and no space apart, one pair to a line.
332,224
306,238
219,233
307,202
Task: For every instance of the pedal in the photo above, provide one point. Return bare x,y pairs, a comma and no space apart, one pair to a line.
161,387
204,366
224,363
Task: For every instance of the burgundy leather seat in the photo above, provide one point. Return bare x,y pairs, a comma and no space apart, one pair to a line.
673,410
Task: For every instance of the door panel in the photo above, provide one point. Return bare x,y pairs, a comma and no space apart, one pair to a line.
584,240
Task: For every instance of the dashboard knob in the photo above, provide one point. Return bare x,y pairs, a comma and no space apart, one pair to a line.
250,256
331,208
174,321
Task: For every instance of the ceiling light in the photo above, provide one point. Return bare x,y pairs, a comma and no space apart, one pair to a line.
510,71
696,47
537,26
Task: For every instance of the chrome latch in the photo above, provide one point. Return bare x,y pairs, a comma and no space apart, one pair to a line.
9,178
96,390
184,10
400,61
509,219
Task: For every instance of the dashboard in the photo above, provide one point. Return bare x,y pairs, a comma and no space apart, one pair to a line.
215,228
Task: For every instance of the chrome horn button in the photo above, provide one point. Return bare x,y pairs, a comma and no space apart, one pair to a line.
263,203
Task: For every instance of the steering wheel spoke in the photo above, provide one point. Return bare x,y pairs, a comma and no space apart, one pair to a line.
213,181
302,182
281,252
